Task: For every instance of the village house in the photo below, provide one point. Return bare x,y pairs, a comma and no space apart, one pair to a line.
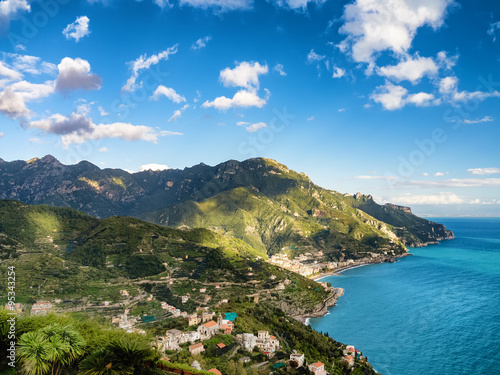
248,341
297,357
215,371
189,336
196,348
124,293
266,342
207,316
349,359
208,330
184,299
317,368
193,320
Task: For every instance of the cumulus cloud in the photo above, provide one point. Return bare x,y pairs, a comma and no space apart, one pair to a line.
411,69
245,74
483,171
242,99
9,74
78,29
153,167
169,93
252,128
338,72
201,43
78,128
219,5
279,68
375,26
394,97
144,62
10,9
14,98
75,74
103,149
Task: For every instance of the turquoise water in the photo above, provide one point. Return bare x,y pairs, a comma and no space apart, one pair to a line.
437,312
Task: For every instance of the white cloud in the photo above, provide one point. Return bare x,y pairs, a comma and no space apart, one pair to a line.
394,97
310,118
219,5
78,29
12,104
440,174
341,110
296,4
201,43
338,72
479,120
483,171
163,3
279,68
8,73
242,99
103,149
77,128
425,174
102,111
314,57
153,167
75,74
448,86
254,127
143,63
30,64
10,9
440,198
246,75
374,26
411,69
1,134
492,30
169,93
14,98
178,113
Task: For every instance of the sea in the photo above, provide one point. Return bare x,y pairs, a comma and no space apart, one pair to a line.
434,313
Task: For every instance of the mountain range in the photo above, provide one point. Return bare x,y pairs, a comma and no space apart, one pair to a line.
259,201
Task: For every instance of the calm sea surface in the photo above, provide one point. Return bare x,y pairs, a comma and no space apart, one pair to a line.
437,312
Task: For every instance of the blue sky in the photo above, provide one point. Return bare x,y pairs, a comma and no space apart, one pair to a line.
394,98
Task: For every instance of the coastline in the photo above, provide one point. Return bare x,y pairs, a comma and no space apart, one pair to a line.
360,263
339,292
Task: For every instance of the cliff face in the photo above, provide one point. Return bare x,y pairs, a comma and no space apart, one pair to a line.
258,200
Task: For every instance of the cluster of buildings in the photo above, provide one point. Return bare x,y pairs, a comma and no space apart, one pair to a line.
209,328
173,310
266,343
41,308
306,264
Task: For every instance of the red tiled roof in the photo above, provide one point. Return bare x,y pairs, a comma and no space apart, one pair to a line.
210,324
196,346
221,345
317,364
215,371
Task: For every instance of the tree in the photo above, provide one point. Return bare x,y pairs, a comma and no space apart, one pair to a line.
53,348
102,362
231,368
240,369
